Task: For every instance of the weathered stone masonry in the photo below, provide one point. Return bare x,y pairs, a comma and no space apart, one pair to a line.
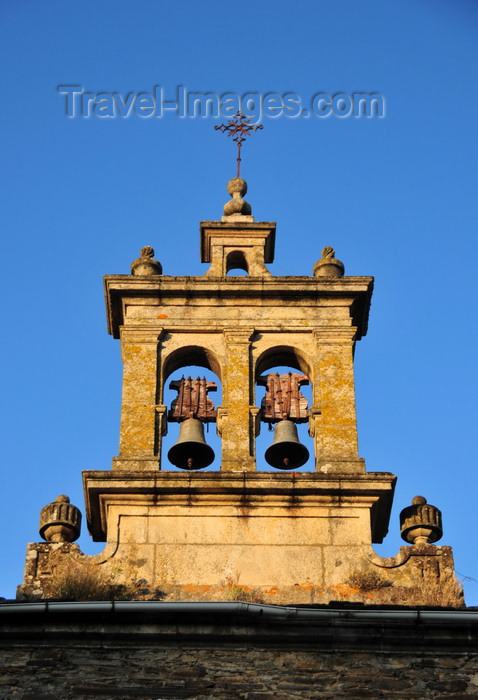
271,534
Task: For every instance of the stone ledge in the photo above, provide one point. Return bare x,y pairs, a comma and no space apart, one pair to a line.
373,491
271,290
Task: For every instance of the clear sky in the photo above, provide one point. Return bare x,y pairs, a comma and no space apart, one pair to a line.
395,196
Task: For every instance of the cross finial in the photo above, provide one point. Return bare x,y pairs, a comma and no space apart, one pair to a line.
239,127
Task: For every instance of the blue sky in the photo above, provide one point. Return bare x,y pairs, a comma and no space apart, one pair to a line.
395,197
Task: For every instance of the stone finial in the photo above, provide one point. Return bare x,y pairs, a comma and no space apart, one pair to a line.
237,207
60,521
328,265
420,523
146,264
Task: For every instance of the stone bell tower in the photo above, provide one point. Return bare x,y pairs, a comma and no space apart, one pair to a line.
255,529
238,327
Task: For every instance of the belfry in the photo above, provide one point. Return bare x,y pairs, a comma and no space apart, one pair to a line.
255,528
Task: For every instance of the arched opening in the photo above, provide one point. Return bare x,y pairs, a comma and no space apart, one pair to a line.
236,262
283,389
283,356
191,388
190,355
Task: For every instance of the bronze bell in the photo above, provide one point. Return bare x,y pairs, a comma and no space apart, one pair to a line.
286,452
191,451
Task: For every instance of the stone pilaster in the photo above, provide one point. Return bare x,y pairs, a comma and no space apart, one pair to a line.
334,425
139,434
237,424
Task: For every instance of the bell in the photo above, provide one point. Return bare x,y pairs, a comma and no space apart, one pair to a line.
286,452
191,451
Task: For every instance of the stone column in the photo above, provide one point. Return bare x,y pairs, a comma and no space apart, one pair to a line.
235,420
139,447
334,423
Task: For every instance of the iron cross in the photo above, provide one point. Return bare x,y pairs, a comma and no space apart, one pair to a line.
239,127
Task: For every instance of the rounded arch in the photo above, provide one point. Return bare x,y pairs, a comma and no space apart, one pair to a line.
282,355
188,360
191,355
236,260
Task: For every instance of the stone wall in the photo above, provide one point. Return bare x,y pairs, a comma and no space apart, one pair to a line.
418,575
172,671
